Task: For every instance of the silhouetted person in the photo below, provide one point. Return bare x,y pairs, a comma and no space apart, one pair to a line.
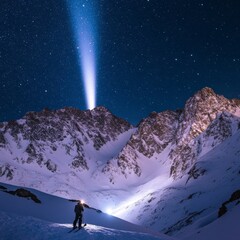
78,215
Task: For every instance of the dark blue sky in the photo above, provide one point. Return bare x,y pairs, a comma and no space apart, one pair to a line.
151,55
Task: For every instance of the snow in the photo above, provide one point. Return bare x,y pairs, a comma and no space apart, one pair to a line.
20,228
155,200
175,206
65,182
21,218
226,227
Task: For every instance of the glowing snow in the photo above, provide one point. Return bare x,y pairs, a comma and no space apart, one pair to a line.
109,211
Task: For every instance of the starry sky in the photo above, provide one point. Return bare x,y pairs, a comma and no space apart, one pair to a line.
150,55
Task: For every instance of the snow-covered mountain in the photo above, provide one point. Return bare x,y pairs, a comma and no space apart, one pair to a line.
56,151
199,194
172,170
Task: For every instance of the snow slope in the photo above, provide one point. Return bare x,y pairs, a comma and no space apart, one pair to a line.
32,228
22,218
174,206
226,227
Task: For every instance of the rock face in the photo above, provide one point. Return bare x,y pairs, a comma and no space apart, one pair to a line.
199,112
39,136
152,136
197,192
206,112
235,197
223,127
21,192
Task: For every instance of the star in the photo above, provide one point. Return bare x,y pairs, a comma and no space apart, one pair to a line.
139,50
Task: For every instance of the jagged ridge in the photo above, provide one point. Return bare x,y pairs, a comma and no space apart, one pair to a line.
68,143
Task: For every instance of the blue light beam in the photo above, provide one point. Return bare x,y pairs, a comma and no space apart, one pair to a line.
84,29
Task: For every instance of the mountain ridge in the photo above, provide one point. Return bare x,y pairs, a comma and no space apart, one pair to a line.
69,152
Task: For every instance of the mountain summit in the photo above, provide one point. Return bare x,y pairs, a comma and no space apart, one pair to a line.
199,112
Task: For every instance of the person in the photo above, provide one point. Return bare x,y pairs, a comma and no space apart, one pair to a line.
78,215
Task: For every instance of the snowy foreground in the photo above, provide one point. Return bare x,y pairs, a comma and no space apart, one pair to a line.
32,228
22,218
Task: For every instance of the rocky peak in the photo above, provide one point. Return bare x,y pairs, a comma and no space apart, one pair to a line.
205,92
199,112
159,128
100,109
169,135
152,136
236,101
67,130
205,101
99,119
178,130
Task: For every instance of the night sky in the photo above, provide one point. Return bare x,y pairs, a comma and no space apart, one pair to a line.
150,55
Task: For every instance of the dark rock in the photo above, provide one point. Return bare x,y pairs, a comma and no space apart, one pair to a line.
7,171
51,166
234,197
26,194
188,220
21,192
195,172
2,188
222,210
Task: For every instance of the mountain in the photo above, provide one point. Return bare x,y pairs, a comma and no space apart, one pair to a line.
59,145
172,170
152,136
178,129
197,171
199,112
172,207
